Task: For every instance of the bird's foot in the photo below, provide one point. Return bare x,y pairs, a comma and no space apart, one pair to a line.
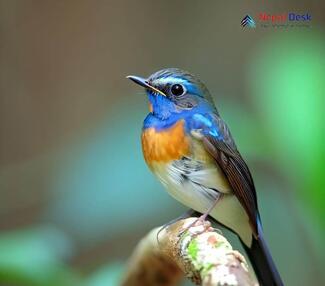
197,227
185,215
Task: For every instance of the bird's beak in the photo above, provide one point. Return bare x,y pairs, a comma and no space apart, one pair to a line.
143,82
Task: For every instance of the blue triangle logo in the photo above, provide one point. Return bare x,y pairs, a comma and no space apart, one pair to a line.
248,21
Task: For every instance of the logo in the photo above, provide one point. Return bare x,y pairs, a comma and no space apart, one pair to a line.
277,20
248,21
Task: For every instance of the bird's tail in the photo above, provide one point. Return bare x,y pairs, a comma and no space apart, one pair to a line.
262,262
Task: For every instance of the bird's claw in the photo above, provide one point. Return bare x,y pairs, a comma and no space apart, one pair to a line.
197,227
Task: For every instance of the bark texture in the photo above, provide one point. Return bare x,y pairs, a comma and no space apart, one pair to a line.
197,251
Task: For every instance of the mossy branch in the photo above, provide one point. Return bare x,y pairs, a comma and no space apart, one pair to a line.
200,253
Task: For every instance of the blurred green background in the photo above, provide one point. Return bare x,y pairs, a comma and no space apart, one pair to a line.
76,195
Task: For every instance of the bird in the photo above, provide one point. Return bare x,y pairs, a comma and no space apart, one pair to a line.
190,149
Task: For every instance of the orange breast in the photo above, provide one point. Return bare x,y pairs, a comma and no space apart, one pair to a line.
166,145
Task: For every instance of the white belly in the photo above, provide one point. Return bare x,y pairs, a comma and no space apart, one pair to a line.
199,192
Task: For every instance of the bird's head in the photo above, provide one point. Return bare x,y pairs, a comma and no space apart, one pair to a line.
173,91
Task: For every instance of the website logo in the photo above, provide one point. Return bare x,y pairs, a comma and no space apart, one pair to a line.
277,20
248,21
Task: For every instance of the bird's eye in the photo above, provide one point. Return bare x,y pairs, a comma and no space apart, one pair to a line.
177,89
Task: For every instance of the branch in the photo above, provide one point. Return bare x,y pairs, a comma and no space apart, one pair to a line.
202,254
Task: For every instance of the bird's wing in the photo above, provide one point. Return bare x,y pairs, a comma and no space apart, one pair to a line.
222,148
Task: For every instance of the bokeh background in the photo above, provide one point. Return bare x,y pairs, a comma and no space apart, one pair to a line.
76,195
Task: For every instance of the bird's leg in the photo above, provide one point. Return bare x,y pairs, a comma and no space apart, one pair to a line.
185,215
202,219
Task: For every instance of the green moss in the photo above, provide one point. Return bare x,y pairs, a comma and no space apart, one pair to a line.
192,249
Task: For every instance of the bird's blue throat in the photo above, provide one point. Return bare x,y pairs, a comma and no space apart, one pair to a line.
165,114
162,107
